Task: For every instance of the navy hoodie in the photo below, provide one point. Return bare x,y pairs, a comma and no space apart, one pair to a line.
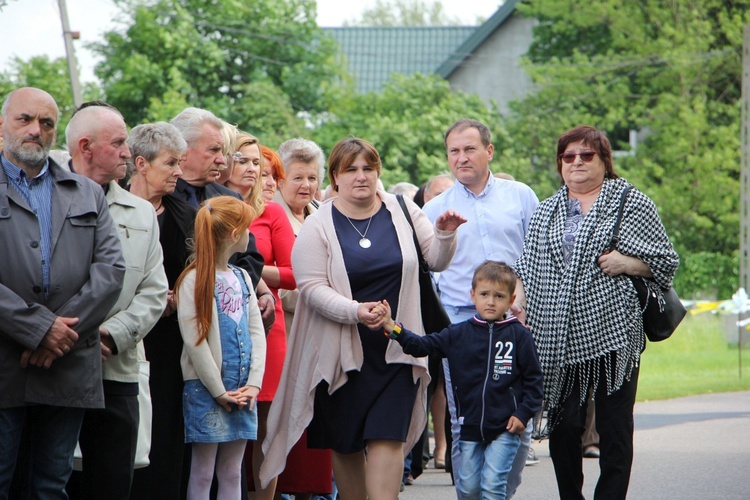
494,369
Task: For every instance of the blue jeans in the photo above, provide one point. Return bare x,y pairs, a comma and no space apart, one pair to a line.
458,315
516,471
50,434
485,467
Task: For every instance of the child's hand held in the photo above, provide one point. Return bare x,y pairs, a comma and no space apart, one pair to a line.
225,400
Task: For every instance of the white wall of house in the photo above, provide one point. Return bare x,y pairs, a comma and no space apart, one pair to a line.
494,71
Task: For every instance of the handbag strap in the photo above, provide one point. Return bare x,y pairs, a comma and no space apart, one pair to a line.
422,262
616,231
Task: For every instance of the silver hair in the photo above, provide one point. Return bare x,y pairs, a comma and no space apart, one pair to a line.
432,180
302,150
405,188
150,139
190,121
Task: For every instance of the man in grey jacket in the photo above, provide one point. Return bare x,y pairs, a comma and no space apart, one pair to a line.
62,271
96,136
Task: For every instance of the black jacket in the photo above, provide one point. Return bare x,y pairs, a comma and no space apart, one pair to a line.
495,372
251,260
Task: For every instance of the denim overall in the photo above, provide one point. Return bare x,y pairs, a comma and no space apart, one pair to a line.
205,420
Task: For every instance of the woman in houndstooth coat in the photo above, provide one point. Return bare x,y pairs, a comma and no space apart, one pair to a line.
583,310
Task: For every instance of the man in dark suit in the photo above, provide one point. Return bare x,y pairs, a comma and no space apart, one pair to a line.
202,164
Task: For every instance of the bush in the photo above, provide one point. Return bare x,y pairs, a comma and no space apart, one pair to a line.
707,275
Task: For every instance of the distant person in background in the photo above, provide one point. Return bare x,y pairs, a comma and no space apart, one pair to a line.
437,185
273,173
436,391
583,310
229,132
438,406
405,188
503,175
419,196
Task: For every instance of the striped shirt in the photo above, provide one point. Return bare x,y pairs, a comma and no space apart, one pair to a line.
38,194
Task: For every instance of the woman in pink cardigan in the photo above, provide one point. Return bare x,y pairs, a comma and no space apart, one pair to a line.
355,388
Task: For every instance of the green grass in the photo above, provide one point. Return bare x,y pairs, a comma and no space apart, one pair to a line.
696,360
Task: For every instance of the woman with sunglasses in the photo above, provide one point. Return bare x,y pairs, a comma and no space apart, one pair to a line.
582,308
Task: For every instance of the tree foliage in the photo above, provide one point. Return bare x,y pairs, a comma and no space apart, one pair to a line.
406,122
672,71
252,63
405,13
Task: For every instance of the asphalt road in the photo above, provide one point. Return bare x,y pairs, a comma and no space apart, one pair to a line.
696,447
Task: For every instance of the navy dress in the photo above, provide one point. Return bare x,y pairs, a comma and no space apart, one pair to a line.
376,402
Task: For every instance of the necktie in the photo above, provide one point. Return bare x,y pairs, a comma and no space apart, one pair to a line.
192,195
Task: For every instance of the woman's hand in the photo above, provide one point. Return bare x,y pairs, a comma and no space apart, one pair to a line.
370,315
613,263
449,221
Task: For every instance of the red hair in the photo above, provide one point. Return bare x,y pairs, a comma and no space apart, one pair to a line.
273,161
217,221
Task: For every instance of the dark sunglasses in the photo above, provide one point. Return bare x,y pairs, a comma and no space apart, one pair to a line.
571,157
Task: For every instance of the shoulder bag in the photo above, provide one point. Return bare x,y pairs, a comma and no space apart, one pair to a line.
434,317
660,317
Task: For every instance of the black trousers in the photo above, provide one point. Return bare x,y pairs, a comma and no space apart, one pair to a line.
614,422
108,440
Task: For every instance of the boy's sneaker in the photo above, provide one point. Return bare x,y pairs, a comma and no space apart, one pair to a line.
531,459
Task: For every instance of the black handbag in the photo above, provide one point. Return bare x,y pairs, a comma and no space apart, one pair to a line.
434,317
660,320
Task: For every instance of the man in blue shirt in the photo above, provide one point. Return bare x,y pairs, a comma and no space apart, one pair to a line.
498,213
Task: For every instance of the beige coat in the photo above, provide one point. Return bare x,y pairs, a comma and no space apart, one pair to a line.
324,342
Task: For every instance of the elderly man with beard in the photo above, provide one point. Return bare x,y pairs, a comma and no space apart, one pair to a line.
63,272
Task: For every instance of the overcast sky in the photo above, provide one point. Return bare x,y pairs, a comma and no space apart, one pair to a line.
33,27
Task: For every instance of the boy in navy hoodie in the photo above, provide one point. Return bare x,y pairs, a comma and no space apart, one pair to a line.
496,377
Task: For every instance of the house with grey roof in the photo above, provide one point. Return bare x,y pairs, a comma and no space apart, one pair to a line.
484,60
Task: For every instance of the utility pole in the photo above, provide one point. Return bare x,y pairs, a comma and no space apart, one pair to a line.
744,181
745,169
75,84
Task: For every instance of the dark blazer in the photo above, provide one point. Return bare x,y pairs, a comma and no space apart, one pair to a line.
86,275
251,260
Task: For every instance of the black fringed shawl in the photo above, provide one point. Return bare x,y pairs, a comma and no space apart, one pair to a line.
577,313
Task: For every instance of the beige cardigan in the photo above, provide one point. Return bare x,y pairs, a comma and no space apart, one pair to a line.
203,361
324,342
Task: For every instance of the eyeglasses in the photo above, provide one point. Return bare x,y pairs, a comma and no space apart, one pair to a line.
571,157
